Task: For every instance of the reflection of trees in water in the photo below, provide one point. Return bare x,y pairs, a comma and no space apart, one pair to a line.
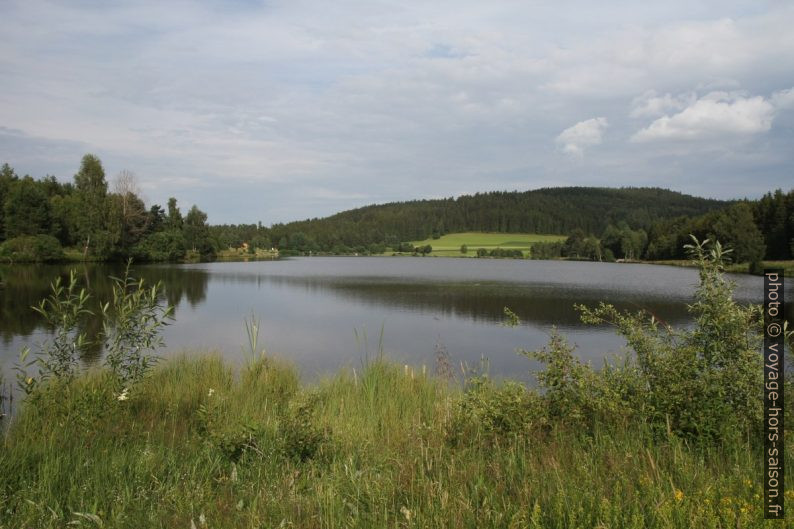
26,285
539,304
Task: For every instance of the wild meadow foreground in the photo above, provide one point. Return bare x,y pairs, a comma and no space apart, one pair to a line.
667,437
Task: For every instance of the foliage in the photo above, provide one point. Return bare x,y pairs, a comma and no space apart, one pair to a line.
546,250
623,242
490,411
132,324
632,222
26,209
704,382
196,445
59,357
96,223
31,249
167,245
741,227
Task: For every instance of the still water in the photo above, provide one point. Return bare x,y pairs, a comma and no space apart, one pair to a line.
326,312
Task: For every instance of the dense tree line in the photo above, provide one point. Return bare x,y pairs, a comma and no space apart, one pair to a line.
753,230
38,218
551,211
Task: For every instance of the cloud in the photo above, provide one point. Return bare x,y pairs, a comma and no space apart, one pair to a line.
269,99
651,105
715,115
783,99
575,139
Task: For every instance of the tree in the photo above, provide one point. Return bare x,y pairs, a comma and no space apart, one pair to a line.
127,214
7,178
197,233
27,209
174,219
155,219
736,227
90,179
91,213
464,249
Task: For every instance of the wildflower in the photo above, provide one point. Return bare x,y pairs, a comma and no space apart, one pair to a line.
211,392
406,513
123,395
679,495
202,520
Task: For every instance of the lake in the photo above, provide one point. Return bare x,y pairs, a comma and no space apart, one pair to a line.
326,312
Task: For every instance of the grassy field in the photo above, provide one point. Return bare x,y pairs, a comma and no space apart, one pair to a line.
197,445
449,245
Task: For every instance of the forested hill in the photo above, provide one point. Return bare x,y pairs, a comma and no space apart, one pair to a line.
551,210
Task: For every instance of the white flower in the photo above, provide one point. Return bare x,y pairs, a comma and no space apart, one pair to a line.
202,520
123,395
210,392
406,513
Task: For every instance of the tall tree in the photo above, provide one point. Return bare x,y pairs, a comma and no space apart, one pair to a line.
197,232
735,227
7,177
127,214
91,191
174,219
27,209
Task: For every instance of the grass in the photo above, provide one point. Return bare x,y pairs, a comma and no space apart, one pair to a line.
449,245
196,444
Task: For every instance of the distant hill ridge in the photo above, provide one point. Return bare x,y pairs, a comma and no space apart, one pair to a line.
557,210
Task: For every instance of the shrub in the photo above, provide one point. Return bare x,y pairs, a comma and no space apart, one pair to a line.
32,249
132,326
489,411
166,245
704,382
59,356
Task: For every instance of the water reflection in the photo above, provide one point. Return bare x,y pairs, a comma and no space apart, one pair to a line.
309,307
25,286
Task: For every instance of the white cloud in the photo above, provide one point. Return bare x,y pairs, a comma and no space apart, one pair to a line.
271,98
652,105
587,133
716,115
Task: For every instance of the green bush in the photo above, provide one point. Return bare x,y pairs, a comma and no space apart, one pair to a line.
704,382
166,245
132,324
31,249
131,328
488,411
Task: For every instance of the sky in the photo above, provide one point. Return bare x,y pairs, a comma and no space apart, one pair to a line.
284,110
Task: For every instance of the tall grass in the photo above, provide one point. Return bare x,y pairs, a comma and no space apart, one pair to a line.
195,442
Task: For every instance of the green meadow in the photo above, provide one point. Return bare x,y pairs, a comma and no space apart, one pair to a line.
450,244
199,444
